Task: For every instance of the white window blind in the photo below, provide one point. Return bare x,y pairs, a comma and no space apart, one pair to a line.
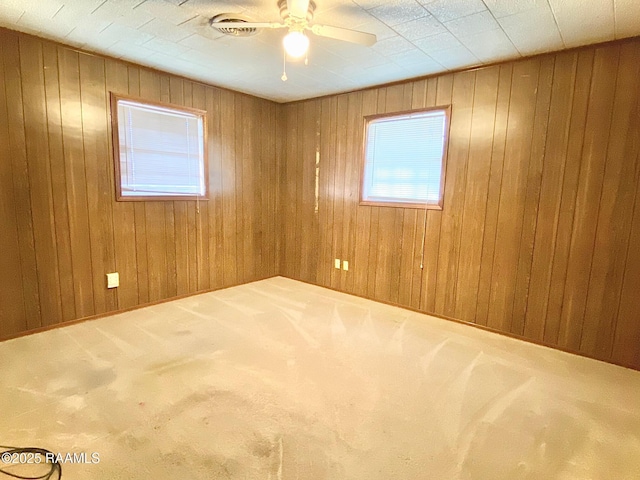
161,151
404,158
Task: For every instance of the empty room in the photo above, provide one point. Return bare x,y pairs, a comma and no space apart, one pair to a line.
320,239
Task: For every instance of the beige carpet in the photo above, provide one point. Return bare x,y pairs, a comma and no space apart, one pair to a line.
282,380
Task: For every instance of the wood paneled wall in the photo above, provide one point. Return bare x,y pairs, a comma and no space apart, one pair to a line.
540,231
538,237
61,229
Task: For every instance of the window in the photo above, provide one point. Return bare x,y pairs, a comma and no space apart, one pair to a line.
404,159
159,150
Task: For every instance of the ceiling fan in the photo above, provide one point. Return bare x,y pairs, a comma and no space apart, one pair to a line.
296,17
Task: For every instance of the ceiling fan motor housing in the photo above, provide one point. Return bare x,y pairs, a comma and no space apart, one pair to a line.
284,11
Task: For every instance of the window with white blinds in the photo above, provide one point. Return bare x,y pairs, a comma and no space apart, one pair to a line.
161,151
404,158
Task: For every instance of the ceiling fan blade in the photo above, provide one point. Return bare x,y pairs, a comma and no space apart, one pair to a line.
344,34
298,8
240,25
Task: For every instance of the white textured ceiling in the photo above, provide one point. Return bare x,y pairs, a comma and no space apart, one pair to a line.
415,38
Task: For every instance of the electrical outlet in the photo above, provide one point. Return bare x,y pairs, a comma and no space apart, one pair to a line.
113,280
337,263
345,265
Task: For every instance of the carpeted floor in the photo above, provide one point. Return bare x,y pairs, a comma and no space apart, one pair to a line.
282,380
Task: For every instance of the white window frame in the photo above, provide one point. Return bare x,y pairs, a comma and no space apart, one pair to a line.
169,109
366,174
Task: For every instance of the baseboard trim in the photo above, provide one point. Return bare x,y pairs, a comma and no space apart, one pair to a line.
393,304
474,325
97,316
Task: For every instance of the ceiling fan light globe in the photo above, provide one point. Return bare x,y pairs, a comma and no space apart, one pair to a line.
295,44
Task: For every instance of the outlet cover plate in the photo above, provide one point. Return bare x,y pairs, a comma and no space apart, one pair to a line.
113,280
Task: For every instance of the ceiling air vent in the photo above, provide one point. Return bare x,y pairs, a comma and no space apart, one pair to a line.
233,31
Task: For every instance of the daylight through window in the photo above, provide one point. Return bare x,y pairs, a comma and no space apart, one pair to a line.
404,159
160,151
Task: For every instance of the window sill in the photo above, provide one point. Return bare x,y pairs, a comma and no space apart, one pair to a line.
166,198
420,206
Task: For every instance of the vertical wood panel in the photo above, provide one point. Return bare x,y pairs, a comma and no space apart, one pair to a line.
245,119
39,171
596,140
513,193
615,213
532,197
289,192
375,221
394,237
439,92
180,213
493,199
308,239
227,131
216,218
306,192
124,226
97,177
281,163
477,181
154,212
387,267
71,116
295,177
536,237
296,190
259,174
373,248
202,214
338,134
20,173
58,181
169,214
269,163
323,199
62,228
352,192
550,194
568,196
329,115
419,95
362,268
454,192
139,213
192,225
12,303
408,225
536,231
626,347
